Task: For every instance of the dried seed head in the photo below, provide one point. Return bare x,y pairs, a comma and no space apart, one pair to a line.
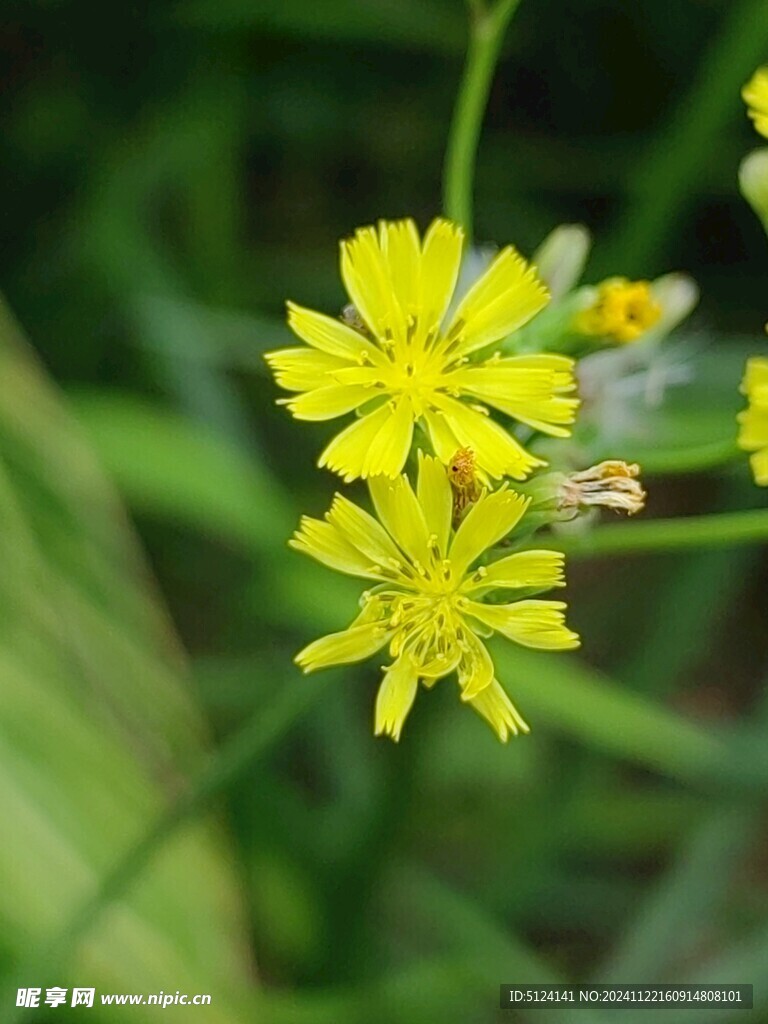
610,484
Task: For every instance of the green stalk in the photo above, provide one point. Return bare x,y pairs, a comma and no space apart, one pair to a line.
723,530
486,33
697,458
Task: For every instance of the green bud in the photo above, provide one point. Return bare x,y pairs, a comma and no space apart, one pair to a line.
753,181
677,296
561,257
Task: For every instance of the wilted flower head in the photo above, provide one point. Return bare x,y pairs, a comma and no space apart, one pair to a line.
753,435
408,362
611,484
755,95
622,311
429,606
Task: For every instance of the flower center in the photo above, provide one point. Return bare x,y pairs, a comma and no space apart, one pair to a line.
427,628
416,364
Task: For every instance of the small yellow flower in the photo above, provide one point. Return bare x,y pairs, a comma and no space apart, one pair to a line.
402,366
428,606
623,311
755,95
753,435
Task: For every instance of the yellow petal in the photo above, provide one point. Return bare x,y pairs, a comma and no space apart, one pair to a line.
401,514
753,432
552,416
496,707
759,463
497,452
329,335
440,666
504,381
366,276
754,428
443,439
440,263
389,448
350,645
435,497
301,369
326,544
329,402
362,531
755,375
529,393
348,451
475,668
562,368
370,375
421,277
395,698
542,569
755,95
539,624
488,521
541,361
399,242
504,298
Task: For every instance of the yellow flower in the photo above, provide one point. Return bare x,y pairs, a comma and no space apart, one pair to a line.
401,366
428,606
622,311
755,95
753,435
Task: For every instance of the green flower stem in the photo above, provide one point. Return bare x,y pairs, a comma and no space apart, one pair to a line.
486,33
719,530
691,459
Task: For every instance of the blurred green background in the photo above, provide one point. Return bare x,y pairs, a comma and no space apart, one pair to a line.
171,173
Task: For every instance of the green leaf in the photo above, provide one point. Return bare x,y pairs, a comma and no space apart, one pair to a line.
99,731
674,919
170,467
557,692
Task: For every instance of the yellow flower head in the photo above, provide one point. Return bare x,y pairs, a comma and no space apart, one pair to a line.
403,365
428,607
755,95
753,435
622,311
